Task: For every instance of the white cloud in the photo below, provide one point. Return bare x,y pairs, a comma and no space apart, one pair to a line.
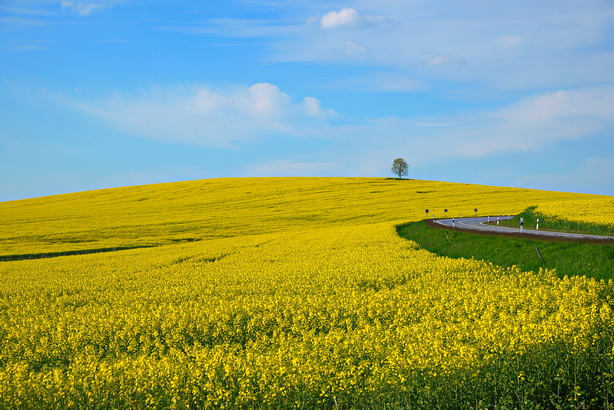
314,108
535,122
526,126
502,46
243,116
348,18
265,99
205,116
560,114
83,9
587,102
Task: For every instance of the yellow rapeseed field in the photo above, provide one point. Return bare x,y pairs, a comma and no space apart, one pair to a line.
200,210
593,211
287,293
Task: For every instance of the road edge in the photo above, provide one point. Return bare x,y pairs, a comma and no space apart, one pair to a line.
534,236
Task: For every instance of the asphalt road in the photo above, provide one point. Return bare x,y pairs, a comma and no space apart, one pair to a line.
478,225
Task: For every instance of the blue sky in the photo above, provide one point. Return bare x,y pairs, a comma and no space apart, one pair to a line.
113,93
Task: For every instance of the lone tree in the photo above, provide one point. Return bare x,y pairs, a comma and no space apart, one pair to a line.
399,167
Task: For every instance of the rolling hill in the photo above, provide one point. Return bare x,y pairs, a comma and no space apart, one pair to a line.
286,293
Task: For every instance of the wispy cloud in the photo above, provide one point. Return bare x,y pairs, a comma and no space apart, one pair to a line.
348,18
83,9
559,115
28,45
499,47
235,116
313,108
527,125
214,117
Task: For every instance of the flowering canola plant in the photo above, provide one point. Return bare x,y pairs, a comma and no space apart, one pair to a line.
598,211
300,297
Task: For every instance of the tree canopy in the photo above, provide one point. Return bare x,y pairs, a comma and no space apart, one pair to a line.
399,167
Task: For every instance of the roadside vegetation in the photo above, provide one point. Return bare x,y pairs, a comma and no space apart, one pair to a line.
568,258
559,222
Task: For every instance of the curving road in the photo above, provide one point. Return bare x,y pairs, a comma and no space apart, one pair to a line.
478,225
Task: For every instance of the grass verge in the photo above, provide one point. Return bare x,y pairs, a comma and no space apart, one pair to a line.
568,258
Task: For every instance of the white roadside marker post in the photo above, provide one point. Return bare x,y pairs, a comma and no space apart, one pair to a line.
537,225
521,223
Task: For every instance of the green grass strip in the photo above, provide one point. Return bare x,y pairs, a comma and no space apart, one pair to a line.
568,258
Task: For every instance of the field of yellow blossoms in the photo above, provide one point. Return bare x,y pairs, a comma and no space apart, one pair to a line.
573,213
281,293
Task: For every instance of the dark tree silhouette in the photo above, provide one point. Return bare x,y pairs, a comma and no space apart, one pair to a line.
399,167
